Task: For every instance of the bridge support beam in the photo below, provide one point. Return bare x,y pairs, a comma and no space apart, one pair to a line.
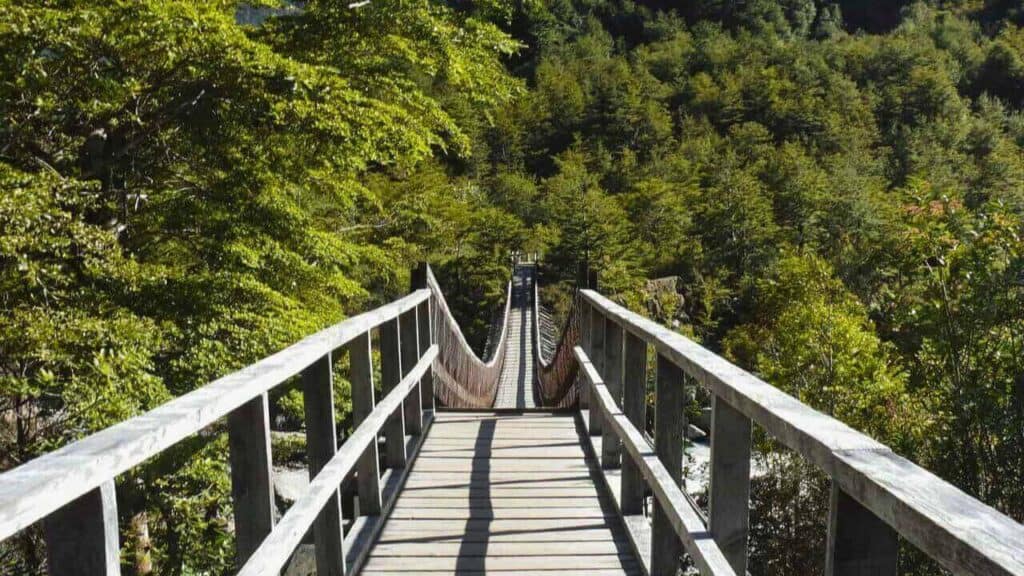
360,359
669,424
251,477
634,406
729,497
82,536
321,445
859,543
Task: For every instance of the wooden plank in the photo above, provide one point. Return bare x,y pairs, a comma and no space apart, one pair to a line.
613,357
500,525
278,547
546,493
730,482
497,452
407,513
321,445
409,347
673,505
252,491
490,501
669,424
517,572
634,406
498,466
396,564
82,536
390,375
412,533
489,549
360,358
27,493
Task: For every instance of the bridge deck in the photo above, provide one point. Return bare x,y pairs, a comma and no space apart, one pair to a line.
497,493
515,386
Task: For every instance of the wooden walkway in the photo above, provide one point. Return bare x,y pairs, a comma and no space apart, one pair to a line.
515,386
502,494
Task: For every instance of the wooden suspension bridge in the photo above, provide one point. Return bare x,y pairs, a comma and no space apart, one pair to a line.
520,463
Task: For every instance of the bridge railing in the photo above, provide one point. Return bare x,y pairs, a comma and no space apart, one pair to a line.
72,490
464,380
556,375
877,496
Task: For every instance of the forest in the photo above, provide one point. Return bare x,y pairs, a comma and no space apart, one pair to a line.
837,188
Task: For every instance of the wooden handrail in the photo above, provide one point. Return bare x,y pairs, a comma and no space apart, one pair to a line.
38,487
687,523
877,494
272,555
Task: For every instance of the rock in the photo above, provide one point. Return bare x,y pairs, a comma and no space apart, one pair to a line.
704,420
289,485
694,433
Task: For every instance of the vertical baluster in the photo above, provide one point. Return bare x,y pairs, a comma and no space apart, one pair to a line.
251,477
730,482
412,405
321,445
583,325
360,358
82,536
669,424
859,543
596,354
390,376
426,337
634,406
611,447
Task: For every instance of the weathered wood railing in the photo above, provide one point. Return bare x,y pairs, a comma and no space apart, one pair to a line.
877,495
71,490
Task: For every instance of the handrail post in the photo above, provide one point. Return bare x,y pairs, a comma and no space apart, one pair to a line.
82,536
583,325
390,376
251,477
596,354
426,339
425,328
412,405
859,543
669,424
634,406
321,445
730,482
360,359
610,444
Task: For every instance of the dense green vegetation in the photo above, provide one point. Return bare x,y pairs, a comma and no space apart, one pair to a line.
839,189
